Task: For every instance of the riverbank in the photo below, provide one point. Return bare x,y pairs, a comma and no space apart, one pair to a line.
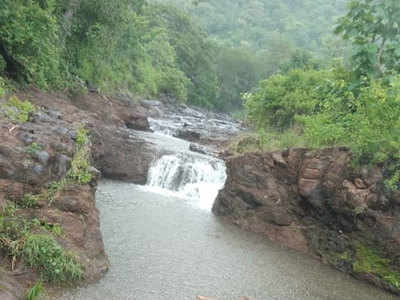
315,202
167,247
54,148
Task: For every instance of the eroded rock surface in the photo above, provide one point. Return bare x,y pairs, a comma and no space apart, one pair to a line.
314,202
35,158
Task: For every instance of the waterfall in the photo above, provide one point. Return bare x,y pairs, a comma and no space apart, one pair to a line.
187,175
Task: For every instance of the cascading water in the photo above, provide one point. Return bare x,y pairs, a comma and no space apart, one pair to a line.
187,175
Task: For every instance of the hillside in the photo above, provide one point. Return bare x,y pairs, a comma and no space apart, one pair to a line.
266,24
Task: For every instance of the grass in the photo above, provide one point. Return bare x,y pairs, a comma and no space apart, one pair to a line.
34,292
33,241
79,171
30,200
369,260
18,238
46,256
266,140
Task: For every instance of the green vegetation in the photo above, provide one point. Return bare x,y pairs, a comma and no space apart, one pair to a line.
18,238
373,28
32,240
79,171
152,49
122,45
357,106
46,256
18,111
266,25
34,292
368,260
30,200
33,148
2,85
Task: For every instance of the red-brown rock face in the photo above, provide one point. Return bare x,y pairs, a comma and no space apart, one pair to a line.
36,153
314,202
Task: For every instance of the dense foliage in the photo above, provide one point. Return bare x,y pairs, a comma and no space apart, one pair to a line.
271,25
374,29
358,107
123,45
132,46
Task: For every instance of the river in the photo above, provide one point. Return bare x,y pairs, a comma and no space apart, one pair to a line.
164,243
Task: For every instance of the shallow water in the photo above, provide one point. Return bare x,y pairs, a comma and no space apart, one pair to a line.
163,247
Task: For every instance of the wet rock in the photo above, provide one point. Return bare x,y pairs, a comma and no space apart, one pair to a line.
137,121
43,157
40,116
54,114
117,158
62,164
38,169
197,148
95,173
188,135
150,103
61,130
360,184
313,201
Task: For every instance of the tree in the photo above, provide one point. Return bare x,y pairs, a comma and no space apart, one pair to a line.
373,26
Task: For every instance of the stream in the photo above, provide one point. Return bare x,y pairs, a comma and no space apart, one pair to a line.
163,242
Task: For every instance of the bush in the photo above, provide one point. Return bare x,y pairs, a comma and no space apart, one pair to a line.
79,171
281,98
369,124
29,39
46,256
330,108
18,111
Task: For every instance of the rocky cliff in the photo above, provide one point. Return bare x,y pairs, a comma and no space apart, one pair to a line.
53,150
48,179
315,202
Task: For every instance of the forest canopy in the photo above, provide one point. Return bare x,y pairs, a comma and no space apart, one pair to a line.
196,53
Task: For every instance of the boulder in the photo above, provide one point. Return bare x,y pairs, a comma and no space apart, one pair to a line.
314,202
121,154
189,135
137,121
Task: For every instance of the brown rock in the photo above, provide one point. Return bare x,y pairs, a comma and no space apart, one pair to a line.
311,174
279,160
137,121
121,154
360,184
307,187
312,205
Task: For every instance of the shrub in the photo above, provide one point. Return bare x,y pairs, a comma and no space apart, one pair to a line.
81,137
29,37
30,200
79,171
18,111
281,98
369,124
